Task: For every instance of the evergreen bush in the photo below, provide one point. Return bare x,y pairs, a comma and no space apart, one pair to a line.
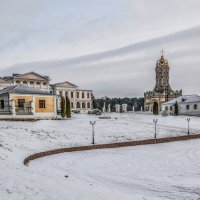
63,110
155,108
68,108
176,108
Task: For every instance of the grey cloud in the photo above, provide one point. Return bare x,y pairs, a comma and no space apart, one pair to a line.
127,71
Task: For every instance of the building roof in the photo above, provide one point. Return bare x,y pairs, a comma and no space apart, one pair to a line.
2,80
184,99
65,84
34,75
22,89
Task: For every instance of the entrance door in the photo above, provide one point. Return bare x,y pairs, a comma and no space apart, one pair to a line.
155,108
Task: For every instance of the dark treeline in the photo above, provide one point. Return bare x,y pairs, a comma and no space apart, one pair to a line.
136,102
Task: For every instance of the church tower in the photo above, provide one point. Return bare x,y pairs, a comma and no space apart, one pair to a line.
162,75
162,91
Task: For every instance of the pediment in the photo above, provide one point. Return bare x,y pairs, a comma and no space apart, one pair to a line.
31,76
65,84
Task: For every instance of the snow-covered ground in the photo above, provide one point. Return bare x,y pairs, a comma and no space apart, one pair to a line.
163,171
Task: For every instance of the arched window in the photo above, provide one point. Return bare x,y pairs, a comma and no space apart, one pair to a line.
77,94
88,105
38,84
83,105
78,105
88,95
25,83
164,73
18,82
164,80
44,84
31,84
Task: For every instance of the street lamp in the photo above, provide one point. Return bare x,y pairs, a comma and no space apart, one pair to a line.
92,123
155,122
188,120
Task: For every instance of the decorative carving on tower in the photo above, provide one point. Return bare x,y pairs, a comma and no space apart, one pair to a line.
162,75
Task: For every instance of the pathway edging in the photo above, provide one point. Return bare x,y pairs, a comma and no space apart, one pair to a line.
110,145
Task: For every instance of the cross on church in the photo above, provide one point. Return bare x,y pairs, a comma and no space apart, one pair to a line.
162,52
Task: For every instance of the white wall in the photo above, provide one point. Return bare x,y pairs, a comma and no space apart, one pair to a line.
183,109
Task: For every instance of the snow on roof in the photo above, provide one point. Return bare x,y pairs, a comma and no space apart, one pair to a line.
185,99
22,89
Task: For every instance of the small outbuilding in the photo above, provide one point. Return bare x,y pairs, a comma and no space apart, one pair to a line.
27,102
187,105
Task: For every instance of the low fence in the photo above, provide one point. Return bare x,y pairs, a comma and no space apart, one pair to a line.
111,145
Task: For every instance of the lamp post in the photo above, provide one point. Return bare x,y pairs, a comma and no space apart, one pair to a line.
155,122
188,120
92,123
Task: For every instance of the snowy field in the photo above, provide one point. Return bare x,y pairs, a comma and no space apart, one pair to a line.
162,171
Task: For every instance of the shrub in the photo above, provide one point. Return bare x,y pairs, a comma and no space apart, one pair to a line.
68,108
63,110
176,108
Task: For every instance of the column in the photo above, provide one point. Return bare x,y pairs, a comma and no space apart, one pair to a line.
33,105
55,106
13,107
47,87
74,100
63,93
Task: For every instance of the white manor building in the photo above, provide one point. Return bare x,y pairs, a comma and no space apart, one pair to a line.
81,99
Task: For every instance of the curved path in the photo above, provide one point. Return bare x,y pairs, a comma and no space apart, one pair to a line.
111,145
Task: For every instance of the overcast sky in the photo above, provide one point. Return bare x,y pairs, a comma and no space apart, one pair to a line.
109,46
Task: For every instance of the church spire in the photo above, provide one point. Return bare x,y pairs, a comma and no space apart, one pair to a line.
162,62
162,53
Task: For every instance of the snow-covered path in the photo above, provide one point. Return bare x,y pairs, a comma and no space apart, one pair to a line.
163,171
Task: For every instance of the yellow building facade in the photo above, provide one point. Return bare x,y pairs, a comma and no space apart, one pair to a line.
21,100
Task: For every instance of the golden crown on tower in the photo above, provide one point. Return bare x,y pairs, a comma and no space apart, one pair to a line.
162,61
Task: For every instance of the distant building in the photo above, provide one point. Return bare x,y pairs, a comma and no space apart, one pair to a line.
81,100
162,92
4,83
187,105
